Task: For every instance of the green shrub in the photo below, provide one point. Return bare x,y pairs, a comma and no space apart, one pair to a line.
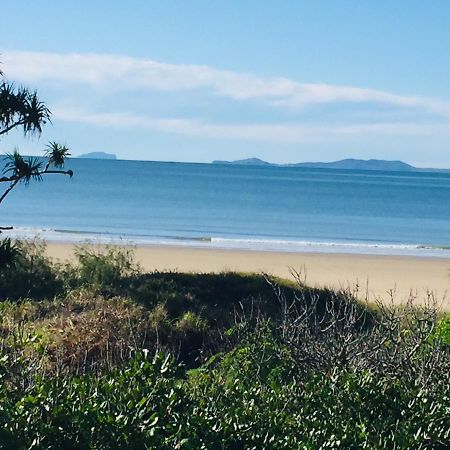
134,407
104,268
191,323
27,272
443,331
259,395
9,252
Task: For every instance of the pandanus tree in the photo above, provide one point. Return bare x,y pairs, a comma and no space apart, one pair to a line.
18,168
20,108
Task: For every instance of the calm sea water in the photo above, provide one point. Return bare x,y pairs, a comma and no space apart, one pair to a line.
247,207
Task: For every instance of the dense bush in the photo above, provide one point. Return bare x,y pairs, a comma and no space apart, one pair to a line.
133,407
25,272
260,395
256,396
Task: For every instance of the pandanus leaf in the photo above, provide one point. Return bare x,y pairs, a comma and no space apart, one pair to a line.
56,154
23,168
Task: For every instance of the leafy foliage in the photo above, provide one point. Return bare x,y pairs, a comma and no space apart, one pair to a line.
132,407
23,169
56,154
104,268
26,272
20,107
443,331
9,252
251,397
256,363
260,396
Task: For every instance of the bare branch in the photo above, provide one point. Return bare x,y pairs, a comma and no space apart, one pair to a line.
12,126
10,188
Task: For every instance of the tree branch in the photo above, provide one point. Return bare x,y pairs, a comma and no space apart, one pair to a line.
15,179
42,172
63,172
10,188
15,124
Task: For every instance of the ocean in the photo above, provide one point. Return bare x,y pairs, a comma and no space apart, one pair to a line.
239,207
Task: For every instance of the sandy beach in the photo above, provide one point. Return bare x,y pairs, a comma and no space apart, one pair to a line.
375,276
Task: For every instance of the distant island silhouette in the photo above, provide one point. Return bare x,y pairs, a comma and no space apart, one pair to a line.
98,155
360,164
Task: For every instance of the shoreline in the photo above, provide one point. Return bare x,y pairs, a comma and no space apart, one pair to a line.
374,276
252,244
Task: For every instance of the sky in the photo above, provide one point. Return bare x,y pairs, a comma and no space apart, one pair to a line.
285,81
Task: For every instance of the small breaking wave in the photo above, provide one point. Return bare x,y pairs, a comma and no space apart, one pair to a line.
231,243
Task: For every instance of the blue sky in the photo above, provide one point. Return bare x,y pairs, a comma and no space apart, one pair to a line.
285,81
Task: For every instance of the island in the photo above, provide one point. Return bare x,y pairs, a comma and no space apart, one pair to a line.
349,164
98,155
246,162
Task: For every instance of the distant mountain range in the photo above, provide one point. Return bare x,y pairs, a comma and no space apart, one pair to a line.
98,155
361,164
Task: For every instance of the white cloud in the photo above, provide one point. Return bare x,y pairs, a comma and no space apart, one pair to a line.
123,72
424,117
279,133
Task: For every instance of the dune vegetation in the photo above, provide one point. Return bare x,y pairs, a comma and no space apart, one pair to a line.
98,355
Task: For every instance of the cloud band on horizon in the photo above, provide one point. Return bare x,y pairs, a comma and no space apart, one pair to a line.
122,73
